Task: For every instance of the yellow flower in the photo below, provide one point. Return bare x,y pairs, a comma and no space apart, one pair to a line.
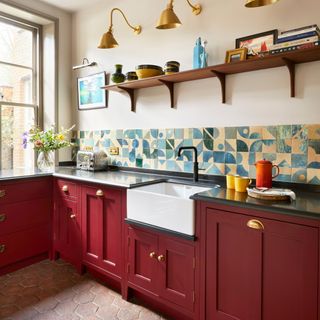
60,137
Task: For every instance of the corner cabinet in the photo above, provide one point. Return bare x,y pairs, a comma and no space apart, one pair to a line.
102,217
221,71
258,267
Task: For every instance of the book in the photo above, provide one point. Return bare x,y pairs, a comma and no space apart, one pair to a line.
294,42
312,27
293,48
298,36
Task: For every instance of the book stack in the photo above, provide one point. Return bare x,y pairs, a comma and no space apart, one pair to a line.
295,39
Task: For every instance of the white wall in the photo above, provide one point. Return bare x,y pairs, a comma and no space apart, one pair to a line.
255,98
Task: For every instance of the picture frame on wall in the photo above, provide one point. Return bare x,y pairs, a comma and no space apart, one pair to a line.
257,43
89,92
236,55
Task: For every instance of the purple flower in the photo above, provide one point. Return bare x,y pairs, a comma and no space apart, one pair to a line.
25,140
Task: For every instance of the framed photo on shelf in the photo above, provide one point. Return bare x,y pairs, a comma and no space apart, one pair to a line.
257,43
89,92
236,55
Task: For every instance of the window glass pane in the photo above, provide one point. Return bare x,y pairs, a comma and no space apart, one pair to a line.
14,122
15,84
16,45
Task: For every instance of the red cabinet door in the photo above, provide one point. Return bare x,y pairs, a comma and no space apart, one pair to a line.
233,269
66,231
269,273
101,228
143,263
177,275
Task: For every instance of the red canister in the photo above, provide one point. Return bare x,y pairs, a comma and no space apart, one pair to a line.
264,173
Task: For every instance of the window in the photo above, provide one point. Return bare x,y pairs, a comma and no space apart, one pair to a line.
19,90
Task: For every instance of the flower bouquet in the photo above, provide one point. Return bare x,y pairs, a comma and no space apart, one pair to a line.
46,142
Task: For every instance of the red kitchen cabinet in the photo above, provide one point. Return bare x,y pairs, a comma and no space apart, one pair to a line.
102,229
67,222
259,268
162,266
24,222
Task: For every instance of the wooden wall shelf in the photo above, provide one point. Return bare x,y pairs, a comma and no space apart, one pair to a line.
288,59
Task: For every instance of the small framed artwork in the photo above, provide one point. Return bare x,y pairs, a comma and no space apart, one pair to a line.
257,43
89,92
236,55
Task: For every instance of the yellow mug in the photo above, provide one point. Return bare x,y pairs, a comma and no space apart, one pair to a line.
241,183
230,180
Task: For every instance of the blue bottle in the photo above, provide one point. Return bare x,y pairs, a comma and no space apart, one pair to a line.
197,52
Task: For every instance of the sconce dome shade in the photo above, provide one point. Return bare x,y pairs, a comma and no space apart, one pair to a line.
259,3
168,20
108,41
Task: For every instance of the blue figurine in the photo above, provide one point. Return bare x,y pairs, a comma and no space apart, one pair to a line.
197,52
204,55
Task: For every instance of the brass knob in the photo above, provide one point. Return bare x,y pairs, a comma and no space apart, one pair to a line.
72,216
65,188
255,224
2,217
152,255
99,193
2,193
2,248
161,258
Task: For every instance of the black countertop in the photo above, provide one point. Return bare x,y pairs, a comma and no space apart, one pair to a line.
307,204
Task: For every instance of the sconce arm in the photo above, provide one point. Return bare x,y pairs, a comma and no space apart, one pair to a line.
136,29
196,9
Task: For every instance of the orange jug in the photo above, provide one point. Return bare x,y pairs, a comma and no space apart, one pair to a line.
264,173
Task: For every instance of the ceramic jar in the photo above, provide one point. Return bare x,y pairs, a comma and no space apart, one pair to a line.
118,76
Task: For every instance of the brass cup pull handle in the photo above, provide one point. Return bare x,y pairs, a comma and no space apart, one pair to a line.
2,248
2,193
255,224
161,258
99,193
65,188
152,255
72,215
3,217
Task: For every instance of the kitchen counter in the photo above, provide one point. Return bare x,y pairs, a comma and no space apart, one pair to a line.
21,173
307,204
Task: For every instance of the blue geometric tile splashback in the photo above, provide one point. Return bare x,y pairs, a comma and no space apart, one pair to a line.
235,150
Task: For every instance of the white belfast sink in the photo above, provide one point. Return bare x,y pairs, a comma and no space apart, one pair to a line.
166,205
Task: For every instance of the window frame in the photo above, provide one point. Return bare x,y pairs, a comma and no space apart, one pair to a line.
36,71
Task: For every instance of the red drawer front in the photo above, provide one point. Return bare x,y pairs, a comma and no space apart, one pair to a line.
25,190
22,245
66,188
24,215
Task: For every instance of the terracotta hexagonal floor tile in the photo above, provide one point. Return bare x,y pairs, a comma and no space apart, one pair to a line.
84,297
25,314
46,305
65,308
8,311
104,298
108,312
128,314
86,310
26,300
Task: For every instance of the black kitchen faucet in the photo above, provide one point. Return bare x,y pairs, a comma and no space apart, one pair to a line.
195,163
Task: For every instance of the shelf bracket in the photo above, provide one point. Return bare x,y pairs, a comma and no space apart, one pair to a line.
222,78
131,94
291,67
170,86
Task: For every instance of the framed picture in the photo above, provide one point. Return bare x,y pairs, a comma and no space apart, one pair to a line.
236,55
257,43
90,94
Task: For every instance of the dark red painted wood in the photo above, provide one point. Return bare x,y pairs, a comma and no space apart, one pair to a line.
72,188
23,215
177,275
101,229
233,268
143,269
267,274
24,244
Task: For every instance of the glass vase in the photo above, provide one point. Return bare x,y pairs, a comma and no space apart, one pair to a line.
45,161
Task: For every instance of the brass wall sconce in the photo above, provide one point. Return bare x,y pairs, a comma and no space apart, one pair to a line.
85,64
259,3
107,40
168,19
